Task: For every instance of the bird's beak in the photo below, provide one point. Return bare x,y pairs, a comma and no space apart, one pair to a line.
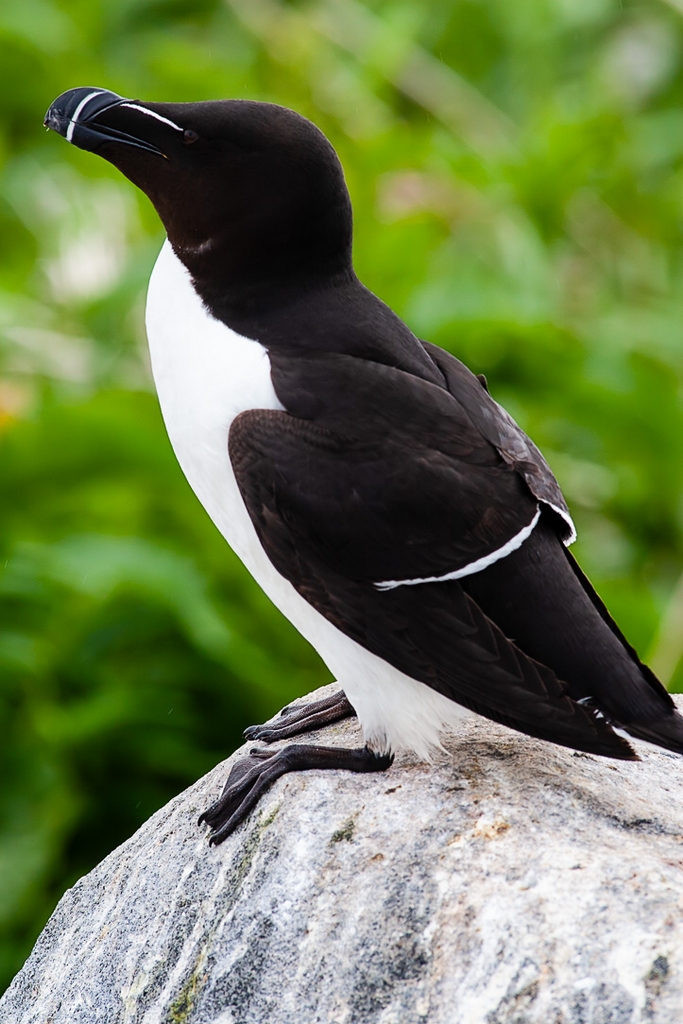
80,116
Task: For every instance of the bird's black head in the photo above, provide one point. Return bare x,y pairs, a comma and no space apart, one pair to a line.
252,195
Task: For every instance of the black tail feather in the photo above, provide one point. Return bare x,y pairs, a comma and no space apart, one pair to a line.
649,676
666,732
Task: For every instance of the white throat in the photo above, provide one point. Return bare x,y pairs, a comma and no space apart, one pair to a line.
205,375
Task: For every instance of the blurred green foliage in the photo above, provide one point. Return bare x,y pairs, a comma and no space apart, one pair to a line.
516,170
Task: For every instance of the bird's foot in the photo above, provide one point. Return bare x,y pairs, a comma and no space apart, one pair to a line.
303,719
254,774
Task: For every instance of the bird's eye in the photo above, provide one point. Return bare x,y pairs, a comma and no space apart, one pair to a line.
189,136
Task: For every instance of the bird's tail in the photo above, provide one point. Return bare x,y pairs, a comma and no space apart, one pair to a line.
539,596
662,730
666,731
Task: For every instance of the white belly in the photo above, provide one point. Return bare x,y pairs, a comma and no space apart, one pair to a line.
205,375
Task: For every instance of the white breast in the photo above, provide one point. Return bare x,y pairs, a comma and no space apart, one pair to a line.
206,374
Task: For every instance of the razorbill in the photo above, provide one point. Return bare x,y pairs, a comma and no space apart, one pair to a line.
384,501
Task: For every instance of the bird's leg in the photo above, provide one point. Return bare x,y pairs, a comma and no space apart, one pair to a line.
303,719
253,775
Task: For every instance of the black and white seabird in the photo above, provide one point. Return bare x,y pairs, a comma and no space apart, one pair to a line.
383,500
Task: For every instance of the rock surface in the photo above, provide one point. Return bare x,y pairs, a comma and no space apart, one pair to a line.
512,883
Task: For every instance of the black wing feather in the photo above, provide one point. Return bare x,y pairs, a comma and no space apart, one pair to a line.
434,633
399,481
499,428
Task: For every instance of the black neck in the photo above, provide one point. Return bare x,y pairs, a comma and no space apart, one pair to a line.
322,314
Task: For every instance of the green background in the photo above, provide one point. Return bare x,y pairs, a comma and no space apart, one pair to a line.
516,171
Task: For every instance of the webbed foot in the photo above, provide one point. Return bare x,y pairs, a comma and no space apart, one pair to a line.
303,718
254,774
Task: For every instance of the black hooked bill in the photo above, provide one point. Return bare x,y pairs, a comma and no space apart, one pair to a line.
74,115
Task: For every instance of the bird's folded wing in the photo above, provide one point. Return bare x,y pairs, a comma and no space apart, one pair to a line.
498,427
397,506
323,510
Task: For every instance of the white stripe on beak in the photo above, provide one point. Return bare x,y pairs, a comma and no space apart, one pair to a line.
79,108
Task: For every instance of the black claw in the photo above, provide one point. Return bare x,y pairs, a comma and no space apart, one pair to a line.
303,718
262,732
253,775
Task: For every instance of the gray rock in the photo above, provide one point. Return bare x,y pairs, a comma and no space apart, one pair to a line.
514,882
